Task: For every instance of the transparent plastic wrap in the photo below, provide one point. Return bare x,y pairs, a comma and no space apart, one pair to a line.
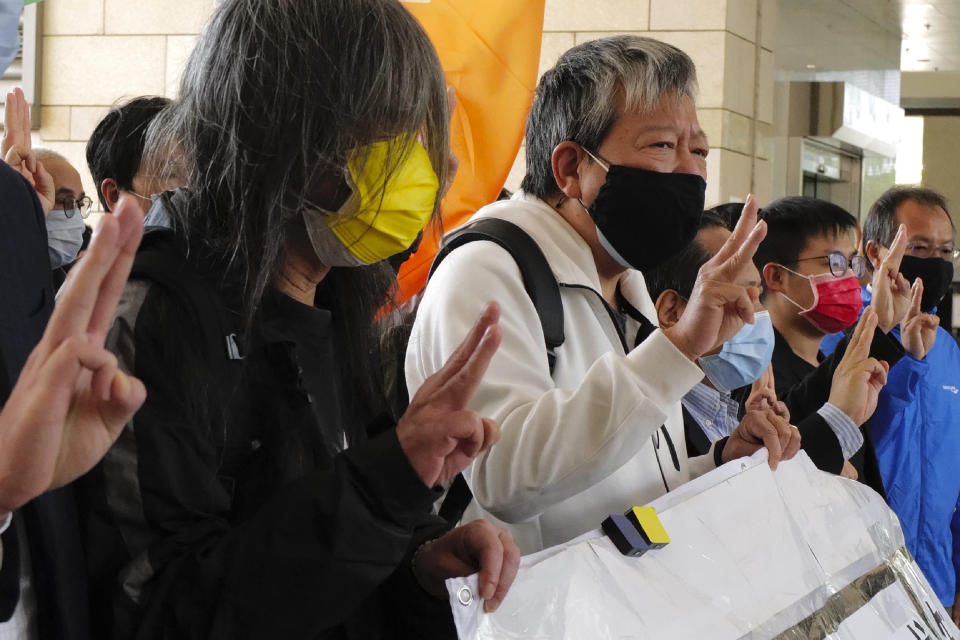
792,554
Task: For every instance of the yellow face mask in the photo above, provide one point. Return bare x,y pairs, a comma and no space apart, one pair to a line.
376,222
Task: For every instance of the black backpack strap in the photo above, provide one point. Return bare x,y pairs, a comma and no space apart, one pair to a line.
539,283
456,501
538,278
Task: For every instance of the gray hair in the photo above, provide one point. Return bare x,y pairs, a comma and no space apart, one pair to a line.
590,87
274,97
880,227
42,154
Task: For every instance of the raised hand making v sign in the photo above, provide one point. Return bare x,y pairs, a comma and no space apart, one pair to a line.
71,401
16,148
718,306
438,434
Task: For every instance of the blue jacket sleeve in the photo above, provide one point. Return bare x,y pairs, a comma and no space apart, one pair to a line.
955,529
903,381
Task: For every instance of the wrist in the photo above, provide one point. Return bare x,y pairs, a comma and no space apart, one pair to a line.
410,446
417,568
677,339
847,411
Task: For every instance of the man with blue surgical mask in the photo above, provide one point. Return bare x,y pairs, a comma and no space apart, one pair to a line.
65,226
710,413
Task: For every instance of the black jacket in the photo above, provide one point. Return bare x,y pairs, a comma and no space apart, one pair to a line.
227,512
49,521
805,388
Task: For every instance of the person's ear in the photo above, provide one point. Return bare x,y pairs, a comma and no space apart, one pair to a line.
773,277
874,253
669,306
565,161
111,193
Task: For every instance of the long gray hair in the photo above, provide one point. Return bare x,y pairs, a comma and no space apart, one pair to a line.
275,95
590,87
274,98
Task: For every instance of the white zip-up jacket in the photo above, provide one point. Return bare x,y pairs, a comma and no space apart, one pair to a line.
579,445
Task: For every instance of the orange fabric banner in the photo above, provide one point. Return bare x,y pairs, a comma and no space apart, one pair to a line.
490,51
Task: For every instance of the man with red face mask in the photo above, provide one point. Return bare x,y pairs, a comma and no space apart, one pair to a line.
811,274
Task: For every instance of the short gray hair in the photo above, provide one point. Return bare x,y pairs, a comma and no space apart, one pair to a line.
590,87
881,224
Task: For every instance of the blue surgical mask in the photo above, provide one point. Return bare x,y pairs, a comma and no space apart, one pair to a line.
744,357
64,236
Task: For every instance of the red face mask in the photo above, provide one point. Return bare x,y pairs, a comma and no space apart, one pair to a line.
836,301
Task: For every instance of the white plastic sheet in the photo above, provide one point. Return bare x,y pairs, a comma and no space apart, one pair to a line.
794,554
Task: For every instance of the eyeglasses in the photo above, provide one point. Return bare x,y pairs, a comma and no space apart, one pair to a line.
69,205
923,250
839,264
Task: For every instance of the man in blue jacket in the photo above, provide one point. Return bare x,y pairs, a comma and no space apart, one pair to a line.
917,435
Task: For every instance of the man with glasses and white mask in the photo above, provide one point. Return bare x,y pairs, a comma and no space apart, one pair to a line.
916,433
69,205
65,226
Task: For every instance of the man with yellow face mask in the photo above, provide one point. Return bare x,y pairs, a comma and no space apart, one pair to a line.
265,490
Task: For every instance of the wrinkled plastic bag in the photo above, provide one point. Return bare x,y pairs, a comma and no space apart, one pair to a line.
791,554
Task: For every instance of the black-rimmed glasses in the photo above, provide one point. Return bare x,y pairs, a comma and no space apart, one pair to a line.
839,264
69,205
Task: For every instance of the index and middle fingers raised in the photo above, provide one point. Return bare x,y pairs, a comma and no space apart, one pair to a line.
916,296
16,120
744,240
859,347
890,265
461,373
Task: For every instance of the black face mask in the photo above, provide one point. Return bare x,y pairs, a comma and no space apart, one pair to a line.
936,274
396,261
645,217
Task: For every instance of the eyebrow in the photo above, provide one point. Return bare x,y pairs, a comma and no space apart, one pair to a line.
919,238
698,135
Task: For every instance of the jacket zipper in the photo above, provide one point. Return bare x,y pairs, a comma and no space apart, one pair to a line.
655,439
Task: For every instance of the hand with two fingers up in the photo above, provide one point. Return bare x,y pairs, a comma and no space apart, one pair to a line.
16,148
858,378
918,330
71,400
440,437
719,306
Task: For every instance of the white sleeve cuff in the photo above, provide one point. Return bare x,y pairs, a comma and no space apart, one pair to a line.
846,430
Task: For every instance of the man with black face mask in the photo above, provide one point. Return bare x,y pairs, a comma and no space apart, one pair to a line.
916,434
616,168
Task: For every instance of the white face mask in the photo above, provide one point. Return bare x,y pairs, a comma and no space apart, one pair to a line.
64,236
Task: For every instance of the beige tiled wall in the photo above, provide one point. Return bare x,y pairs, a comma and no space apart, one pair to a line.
100,52
97,53
940,135
720,36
